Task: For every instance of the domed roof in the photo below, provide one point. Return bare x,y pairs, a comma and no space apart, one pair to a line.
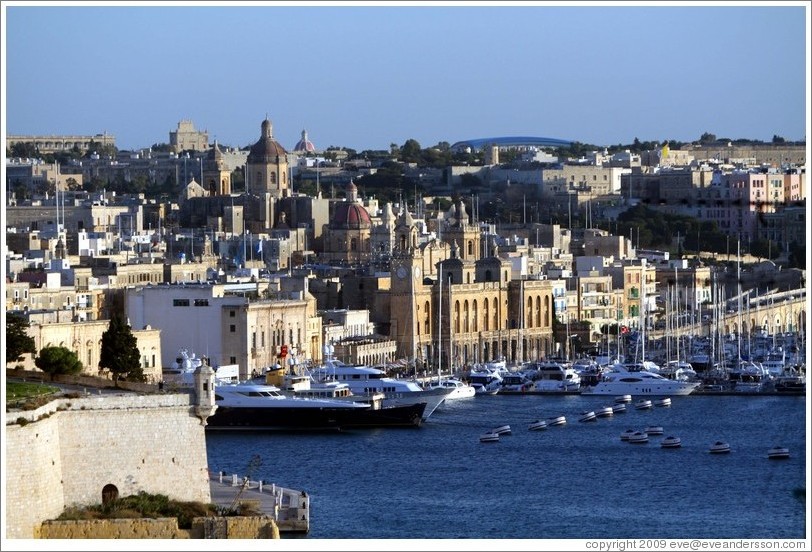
351,215
266,150
304,144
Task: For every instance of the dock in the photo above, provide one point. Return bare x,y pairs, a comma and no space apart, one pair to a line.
289,508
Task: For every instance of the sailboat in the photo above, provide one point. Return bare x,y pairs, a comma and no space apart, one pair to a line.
459,389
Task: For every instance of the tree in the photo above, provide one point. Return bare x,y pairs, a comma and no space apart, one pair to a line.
58,360
707,138
119,351
778,139
18,342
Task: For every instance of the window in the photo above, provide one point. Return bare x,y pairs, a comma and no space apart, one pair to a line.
232,360
201,302
232,328
232,314
180,302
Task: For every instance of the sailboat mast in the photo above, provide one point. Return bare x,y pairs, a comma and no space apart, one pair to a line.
440,325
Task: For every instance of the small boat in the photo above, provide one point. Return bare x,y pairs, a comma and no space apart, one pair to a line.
502,430
638,437
623,399
556,421
665,401
671,442
619,408
489,437
777,453
537,425
643,404
654,430
719,447
626,434
604,412
587,416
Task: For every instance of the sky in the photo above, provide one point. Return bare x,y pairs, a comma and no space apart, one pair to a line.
366,76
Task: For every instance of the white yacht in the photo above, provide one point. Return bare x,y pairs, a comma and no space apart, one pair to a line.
365,380
487,379
459,389
633,380
555,376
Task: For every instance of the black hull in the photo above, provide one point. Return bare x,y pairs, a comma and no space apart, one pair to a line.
314,419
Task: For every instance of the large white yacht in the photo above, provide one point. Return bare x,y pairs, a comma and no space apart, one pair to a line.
631,379
365,380
459,389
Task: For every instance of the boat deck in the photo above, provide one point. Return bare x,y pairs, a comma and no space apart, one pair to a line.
288,507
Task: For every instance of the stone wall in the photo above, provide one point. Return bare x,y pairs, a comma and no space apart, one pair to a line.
70,449
254,527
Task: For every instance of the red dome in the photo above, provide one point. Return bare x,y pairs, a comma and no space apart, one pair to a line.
351,215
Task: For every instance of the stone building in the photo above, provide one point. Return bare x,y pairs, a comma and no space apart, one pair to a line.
186,137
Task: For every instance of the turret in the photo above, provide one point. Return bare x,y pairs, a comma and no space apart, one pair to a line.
204,392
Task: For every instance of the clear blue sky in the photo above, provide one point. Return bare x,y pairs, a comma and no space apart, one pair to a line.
367,76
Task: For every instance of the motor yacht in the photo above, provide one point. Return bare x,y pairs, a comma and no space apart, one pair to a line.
632,379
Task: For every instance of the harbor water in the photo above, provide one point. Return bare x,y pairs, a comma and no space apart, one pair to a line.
576,481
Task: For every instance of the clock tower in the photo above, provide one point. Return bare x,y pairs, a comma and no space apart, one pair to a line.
409,299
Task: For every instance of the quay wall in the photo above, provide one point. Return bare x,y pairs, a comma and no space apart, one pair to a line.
66,452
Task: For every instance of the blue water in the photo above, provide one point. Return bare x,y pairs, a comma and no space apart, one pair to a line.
574,481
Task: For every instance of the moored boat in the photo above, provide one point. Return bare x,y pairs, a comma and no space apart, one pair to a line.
588,416
719,447
502,430
638,438
778,453
489,437
654,430
663,401
623,399
671,442
604,412
626,434
556,421
643,404
537,425
618,408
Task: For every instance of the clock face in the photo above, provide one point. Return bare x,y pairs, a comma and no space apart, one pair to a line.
417,273
401,272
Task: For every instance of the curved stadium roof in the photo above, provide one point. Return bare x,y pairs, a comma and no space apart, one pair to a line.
478,143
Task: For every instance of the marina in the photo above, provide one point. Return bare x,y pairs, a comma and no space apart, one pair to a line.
431,483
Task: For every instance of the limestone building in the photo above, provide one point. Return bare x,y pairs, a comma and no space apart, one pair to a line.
186,137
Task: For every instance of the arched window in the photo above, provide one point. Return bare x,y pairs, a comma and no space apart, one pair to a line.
273,177
465,316
485,315
353,244
456,316
495,308
470,248
528,317
475,318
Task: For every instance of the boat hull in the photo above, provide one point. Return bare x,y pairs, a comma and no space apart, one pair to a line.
318,419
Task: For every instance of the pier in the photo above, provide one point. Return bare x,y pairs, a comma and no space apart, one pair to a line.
289,508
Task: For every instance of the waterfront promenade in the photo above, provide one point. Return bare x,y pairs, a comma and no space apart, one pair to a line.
289,508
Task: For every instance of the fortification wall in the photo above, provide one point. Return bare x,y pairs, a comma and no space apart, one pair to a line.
72,448
33,476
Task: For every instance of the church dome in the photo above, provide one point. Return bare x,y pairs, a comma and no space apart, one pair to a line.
304,145
351,215
266,150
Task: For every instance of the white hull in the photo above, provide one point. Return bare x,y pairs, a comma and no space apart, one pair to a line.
675,388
